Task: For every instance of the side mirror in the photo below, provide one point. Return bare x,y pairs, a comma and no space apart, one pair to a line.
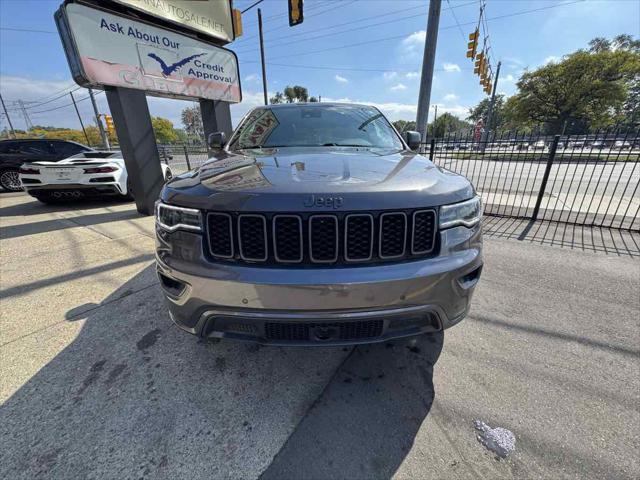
217,140
412,139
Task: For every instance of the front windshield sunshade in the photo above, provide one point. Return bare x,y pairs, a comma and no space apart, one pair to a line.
315,126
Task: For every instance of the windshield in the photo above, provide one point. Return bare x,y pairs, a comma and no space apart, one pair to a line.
315,126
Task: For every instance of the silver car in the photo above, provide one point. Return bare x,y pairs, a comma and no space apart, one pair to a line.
317,224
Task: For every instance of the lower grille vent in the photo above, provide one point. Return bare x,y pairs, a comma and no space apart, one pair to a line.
303,332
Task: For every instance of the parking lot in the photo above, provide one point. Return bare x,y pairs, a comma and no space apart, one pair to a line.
97,382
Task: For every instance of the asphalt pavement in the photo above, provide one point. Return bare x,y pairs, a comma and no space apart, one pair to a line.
97,383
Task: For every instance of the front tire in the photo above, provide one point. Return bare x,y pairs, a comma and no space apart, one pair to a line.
10,180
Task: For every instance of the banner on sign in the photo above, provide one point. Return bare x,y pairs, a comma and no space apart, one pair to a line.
108,49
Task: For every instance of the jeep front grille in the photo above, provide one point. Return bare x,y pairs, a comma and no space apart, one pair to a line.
322,239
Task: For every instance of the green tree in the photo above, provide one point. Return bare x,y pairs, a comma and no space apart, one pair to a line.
481,111
585,88
277,98
292,95
404,125
448,124
163,129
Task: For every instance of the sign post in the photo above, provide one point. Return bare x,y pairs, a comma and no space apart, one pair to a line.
144,52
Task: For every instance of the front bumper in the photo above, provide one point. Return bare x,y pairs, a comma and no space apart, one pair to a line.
318,306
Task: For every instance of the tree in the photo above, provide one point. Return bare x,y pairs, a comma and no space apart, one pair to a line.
291,95
481,111
404,125
585,88
277,98
599,44
448,124
192,121
163,129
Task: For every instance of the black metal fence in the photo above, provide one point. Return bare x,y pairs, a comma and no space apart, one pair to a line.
183,157
583,180
590,180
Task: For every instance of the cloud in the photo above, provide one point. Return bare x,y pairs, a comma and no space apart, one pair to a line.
411,47
450,97
390,75
415,39
28,89
341,79
451,67
550,59
412,75
251,78
509,79
398,87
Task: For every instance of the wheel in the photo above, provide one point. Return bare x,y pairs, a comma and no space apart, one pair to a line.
10,181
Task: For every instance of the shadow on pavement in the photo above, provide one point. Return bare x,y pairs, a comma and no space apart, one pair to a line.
365,422
591,239
35,207
125,394
33,228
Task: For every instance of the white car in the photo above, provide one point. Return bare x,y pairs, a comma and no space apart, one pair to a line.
87,174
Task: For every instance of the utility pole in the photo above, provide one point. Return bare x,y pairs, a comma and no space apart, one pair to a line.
435,117
493,100
27,120
80,118
103,134
264,70
13,133
428,61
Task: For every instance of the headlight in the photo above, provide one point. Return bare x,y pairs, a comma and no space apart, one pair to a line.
467,213
173,218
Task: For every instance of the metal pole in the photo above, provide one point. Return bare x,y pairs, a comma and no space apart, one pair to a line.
545,177
428,61
264,69
27,120
8,119
493,98
80,118
435,117
103,134
186,156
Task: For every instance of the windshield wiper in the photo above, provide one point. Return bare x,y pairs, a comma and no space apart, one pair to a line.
345,145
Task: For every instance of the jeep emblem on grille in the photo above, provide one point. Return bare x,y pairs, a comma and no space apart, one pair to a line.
331,202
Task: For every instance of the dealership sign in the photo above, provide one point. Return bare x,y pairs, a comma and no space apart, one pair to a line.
211,17
113,50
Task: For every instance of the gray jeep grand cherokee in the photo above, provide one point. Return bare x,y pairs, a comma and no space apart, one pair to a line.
316,224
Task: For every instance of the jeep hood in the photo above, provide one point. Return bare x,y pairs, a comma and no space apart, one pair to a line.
310,178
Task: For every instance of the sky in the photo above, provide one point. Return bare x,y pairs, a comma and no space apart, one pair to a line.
367,51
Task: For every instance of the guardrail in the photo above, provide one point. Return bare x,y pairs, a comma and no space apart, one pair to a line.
584,180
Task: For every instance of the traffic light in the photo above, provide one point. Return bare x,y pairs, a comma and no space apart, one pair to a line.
237,22
296,15
479,63
472,46
111,129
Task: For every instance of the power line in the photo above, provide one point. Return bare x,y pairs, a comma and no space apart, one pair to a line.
322,12
342,68
386,14
28,30
65,105
395,37
456,19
